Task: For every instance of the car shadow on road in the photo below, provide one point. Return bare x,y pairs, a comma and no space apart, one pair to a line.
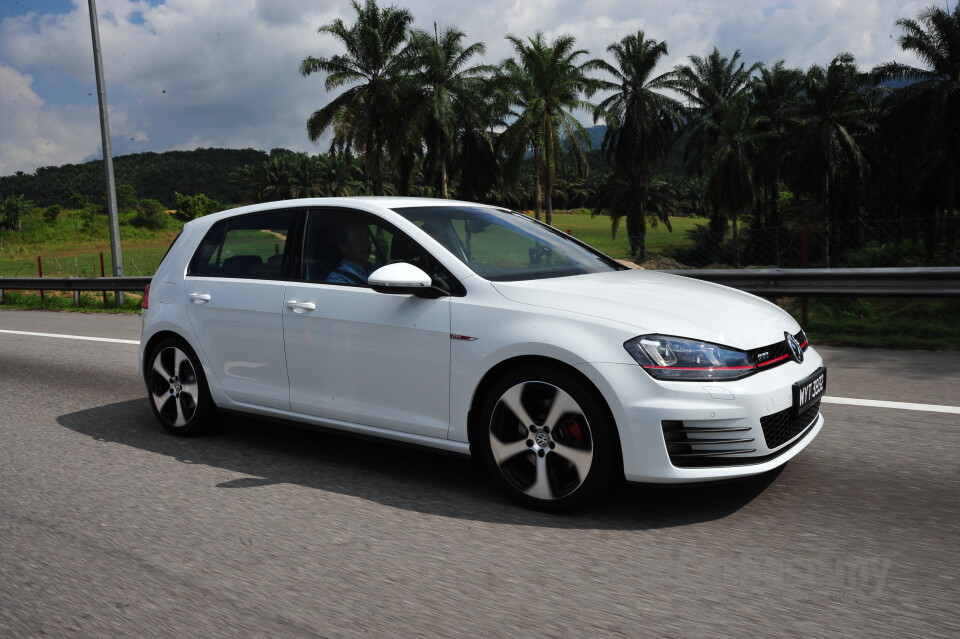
268,453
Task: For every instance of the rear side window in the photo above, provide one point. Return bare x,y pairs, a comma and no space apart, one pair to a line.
251,247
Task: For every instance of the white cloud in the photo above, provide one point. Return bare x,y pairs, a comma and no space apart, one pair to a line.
204,72
37,134
810,32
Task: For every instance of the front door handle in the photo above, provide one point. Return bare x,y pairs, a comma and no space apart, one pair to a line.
300,307
199,298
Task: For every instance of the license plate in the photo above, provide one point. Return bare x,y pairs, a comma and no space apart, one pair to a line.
807,391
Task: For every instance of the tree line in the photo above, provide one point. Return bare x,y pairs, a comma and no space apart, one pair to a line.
420,113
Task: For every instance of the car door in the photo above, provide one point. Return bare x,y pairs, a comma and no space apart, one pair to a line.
235,300
358,356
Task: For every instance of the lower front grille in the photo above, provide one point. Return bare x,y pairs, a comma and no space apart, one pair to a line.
700,447
781,427
692,446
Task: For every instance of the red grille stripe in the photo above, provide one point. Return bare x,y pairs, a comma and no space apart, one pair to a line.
695,368
774,360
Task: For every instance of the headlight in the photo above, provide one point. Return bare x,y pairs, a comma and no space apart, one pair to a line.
676,358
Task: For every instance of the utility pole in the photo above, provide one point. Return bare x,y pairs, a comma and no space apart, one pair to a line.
115,253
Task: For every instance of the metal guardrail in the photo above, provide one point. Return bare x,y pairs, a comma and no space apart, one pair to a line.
74,283
776,282
836,282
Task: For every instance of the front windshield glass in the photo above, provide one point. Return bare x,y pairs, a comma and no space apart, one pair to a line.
504,246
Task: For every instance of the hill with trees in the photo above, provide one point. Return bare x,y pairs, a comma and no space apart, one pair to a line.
156,176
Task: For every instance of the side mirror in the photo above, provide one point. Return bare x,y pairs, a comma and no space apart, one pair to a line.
403,279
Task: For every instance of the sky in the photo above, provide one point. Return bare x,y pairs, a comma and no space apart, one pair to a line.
183,74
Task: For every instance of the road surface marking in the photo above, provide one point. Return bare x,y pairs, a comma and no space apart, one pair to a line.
83,337
875,403
872,403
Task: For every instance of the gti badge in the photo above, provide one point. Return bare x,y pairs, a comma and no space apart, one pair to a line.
794,347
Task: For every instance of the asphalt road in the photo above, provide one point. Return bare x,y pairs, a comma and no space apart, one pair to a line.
111,528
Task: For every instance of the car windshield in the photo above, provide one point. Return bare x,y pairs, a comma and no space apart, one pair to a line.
501,245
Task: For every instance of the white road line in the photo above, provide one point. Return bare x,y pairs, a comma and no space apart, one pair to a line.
875,403
872,403
81,337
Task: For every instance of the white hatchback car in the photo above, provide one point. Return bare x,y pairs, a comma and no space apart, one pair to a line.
474,330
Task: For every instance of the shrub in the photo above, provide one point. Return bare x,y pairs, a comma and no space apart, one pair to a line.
126,197
51,213
79,200
94,223
12,210
875,255
190,207
151,215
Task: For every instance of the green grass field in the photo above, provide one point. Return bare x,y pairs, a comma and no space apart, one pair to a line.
595,231
71,245
140,257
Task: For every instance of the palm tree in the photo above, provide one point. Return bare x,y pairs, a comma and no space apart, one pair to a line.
734,141
776,94
924,116
641,125
693,196
707,82
340,176
280,180
304,175
837,108
448,94
479,164
621,190
253,178
543,85
718,131
365,114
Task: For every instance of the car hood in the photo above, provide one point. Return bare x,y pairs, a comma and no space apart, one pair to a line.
661,303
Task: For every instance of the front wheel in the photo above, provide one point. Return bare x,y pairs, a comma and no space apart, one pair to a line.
178,390
546,437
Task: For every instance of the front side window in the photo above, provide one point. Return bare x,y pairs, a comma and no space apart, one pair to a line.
345,247
502,246
252,247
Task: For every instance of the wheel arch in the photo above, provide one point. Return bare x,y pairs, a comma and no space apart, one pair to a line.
491,376
163,334
155,339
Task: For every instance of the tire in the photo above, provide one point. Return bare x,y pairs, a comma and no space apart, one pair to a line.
546,438
178,390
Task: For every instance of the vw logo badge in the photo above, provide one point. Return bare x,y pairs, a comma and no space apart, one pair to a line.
794,347
542,439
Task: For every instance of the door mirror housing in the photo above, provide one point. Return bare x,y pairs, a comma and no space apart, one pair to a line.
403,279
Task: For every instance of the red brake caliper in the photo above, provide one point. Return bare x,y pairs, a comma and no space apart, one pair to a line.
572,428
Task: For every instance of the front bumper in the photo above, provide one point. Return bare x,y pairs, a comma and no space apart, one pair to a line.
679,432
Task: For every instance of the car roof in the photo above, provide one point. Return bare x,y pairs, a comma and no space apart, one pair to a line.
363,202
397,202
384,201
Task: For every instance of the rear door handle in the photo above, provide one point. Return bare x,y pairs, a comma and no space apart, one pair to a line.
199,298
300,307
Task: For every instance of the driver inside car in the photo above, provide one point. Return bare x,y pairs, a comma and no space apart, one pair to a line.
355,246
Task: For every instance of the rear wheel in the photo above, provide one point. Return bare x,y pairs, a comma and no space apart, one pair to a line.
178,390
545,436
